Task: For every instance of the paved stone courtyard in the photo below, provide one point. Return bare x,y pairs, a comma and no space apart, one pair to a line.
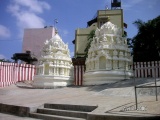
114,98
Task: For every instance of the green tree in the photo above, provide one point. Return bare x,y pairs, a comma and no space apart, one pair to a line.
89,39
146,44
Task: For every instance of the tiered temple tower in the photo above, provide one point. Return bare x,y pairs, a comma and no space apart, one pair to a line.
54,66
108,57
82,35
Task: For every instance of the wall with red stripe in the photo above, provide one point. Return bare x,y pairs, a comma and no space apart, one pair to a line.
11,73
142,70
78,75
147,69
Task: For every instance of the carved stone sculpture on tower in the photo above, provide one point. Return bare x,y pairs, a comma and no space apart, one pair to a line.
112,59
54,67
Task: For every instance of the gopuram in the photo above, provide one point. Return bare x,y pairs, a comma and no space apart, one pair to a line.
108,57
54,67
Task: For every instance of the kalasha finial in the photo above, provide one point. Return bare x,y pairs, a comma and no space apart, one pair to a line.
56,31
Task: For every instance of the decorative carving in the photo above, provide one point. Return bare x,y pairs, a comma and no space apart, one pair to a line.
115,64
108,64
108,42
56,55
97,32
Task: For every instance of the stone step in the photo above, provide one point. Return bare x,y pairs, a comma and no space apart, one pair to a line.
52,117
58,112
83,108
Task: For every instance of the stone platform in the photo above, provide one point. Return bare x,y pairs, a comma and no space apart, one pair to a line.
104,77
114,100
50,81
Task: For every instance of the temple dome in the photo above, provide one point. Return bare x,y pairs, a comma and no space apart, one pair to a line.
54,67
55,47
109,57
56,38
108,28
108,24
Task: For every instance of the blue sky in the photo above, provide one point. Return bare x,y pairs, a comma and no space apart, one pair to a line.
71,14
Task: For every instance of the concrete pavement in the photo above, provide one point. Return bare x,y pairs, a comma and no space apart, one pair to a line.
111,99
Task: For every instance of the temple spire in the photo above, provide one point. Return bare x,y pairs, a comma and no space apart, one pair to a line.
56,31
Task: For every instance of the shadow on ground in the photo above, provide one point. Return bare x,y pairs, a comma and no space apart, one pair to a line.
122,84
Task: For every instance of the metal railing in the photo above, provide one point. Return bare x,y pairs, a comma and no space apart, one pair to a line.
143,86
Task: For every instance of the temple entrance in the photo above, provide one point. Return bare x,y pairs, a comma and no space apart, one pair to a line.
102,62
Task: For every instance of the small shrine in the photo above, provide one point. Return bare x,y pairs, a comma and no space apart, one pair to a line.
54,67
109,57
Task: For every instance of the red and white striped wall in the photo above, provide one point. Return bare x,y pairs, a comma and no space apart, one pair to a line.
79,68
142,70
11,73
147,69
78,74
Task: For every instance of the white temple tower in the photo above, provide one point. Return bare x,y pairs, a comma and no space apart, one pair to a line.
54,66
108,57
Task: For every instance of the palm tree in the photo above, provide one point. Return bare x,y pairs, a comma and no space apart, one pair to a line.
146,44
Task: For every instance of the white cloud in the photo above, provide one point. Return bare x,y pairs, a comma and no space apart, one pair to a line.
27,13
4,32
2,57
30,20
33,5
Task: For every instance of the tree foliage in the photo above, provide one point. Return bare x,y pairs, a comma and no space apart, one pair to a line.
146,44
89,39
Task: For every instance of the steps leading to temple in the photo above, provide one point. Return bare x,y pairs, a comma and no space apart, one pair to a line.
84,108
62,112
53,117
